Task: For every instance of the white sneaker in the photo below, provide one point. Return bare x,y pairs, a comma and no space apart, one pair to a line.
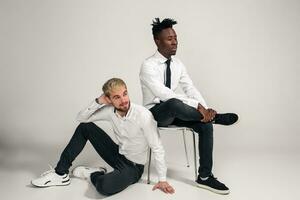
84,172
50,178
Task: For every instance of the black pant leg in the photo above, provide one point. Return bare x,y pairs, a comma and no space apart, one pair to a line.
165,112
205,144
174,111
102,143
120,178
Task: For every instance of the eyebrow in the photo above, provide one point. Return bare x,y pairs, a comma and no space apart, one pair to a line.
119,95
115,96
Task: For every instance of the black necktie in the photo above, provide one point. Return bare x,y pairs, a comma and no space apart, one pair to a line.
168,74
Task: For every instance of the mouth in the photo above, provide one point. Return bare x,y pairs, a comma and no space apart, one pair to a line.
124,104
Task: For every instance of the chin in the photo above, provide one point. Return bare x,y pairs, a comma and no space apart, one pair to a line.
124,109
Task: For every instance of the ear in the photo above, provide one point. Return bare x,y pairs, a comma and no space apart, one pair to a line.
157,41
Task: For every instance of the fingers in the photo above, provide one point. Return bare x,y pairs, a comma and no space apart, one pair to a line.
155,187
170,189
206,118
214,113
166,188
211,114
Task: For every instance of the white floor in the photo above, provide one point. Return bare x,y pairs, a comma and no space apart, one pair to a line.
255,174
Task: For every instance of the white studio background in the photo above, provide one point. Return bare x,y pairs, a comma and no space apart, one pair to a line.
242,55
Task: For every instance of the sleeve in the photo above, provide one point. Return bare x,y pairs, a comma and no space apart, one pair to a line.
189,89
94,112
149,78
153,139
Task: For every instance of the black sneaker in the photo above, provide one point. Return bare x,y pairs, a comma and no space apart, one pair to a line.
226,119
213,185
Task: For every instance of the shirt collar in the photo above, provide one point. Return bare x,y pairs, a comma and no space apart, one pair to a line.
160,57
127,114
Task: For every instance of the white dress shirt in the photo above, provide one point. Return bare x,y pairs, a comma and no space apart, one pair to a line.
135,132
152,77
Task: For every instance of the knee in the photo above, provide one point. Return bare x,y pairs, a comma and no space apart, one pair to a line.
174,103
208,126
102,190
204,128
85,125
83,128
104,187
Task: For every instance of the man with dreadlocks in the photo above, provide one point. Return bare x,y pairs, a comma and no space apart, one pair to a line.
160,76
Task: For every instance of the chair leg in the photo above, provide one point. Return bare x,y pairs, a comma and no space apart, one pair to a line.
185,149
195,155
149,163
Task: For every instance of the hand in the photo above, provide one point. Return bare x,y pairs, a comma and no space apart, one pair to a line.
212,113
208,114
164,186
103,99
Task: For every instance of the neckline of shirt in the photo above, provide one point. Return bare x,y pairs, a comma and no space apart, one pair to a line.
161,58
128,114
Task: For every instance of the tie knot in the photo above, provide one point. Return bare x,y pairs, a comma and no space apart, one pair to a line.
168,61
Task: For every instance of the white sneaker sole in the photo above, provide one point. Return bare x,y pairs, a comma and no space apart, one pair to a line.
224,192
50,185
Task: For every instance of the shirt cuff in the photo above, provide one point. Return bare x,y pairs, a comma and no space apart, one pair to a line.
95,105
163,178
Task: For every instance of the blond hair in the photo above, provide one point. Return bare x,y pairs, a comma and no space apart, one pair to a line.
111,84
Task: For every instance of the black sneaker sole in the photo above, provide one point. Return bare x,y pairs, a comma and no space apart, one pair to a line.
223,192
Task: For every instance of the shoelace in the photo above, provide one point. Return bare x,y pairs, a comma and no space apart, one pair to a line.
49,171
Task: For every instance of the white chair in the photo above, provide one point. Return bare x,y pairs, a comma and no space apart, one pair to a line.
176,128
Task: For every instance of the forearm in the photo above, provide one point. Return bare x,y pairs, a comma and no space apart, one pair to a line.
93,112
160,165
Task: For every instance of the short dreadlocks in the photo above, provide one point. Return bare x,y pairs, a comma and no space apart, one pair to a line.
158,25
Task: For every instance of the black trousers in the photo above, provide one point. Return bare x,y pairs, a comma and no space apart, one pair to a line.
125,171
175,112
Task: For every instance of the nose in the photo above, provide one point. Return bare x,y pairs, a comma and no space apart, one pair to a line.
123,100
174,42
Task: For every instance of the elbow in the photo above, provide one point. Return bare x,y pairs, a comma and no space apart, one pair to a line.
80,118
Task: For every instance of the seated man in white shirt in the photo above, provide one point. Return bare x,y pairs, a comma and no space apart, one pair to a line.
135,130
160,76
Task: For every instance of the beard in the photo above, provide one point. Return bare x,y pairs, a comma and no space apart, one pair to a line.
173,52
122,108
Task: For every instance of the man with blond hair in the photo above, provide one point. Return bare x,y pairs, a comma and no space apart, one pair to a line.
135,131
